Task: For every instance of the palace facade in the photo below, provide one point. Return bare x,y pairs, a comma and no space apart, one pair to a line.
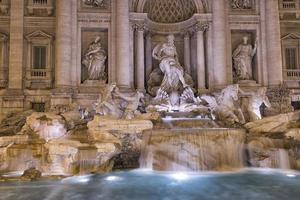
63,52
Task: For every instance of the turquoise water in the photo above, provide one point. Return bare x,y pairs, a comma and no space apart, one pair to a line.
148,185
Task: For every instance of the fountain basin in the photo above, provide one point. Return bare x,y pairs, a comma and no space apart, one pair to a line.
149,185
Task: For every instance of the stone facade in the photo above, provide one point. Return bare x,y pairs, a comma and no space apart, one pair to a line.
43,44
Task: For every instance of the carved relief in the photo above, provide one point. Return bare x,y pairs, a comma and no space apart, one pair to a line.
241,4
96,3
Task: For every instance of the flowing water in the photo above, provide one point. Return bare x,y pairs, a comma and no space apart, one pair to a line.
88,161
193,149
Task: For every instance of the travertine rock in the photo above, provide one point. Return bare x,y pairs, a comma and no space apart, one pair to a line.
13,123
47,125
127,133
32,174
278,123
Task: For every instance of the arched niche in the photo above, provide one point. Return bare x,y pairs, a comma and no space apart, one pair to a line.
201,5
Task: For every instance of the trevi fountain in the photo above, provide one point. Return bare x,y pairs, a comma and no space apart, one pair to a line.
149,99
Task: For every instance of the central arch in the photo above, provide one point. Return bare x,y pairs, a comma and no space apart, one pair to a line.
201,6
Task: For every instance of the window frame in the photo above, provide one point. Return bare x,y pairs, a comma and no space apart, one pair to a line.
296,47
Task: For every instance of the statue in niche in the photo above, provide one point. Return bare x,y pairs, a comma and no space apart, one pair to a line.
242,57
94,60
94,3
241,4
173,83
119,105
255,100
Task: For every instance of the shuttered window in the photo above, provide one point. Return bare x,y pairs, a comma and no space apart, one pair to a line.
39,57
291,58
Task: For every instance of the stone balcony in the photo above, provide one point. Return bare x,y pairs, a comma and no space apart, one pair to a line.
292,75
40,5
39,78
4,5
289,7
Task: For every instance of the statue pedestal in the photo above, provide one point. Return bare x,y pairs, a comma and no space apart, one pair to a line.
248,85
94,83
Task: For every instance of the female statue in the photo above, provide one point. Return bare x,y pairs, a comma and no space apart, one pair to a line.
94,60
242,58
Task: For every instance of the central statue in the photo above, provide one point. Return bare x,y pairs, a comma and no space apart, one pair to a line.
173,82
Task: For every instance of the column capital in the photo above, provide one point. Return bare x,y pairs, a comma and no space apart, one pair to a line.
186,33
139,26
200,26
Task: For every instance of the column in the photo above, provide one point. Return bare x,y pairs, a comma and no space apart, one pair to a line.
187,53
63,78
140,58
132,52
148,55
15,74
74,69
219,42
200,28
122,42
274,58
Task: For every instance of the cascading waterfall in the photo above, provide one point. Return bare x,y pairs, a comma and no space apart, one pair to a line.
284,160
193,149
88,161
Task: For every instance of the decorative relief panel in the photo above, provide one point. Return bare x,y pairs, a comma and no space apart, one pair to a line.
242,5
99,5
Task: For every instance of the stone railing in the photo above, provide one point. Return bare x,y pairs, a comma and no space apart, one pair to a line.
289,7
4,7
40,5
38,78
292,74
39,74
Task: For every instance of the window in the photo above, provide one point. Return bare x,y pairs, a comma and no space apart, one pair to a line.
39,57
38,107
291,58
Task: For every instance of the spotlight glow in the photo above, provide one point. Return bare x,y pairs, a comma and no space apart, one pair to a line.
291,175
112,178
180,176
77,179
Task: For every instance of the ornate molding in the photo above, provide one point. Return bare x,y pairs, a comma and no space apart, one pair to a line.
199,27
241,4
140,26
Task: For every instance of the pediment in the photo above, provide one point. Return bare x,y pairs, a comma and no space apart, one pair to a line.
39,35
291,36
